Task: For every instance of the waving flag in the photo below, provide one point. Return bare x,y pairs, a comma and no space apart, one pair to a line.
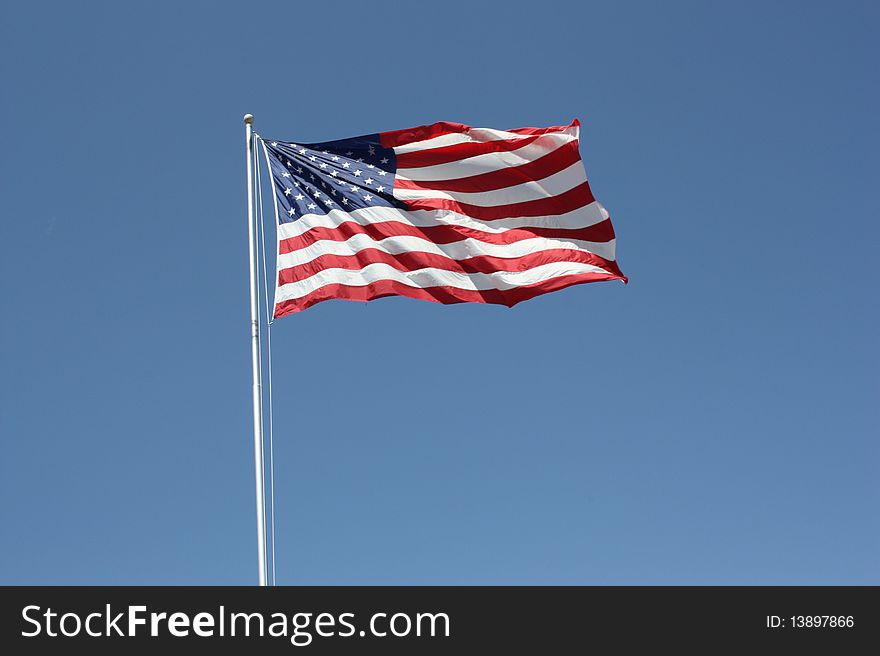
442,212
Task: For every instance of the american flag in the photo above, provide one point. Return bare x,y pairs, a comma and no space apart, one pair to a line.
442,212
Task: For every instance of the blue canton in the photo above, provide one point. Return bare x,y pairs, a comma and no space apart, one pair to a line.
347,174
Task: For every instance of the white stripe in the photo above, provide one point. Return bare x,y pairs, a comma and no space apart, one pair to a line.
472,135
431,278
487,162
552,185
459,250
582,217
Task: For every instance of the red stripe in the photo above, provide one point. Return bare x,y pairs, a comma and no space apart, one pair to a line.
406,136
442,234
556,128
447,154
445,295
413,261
409,135
560,204
554,162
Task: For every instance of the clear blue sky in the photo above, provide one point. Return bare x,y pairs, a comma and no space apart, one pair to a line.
715,421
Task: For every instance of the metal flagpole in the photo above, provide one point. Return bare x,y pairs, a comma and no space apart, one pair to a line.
255,356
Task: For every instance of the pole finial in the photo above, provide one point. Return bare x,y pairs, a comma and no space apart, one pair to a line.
248,119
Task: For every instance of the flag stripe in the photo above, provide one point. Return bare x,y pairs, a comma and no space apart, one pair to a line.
444,134
537,169
445,295
564,202
477,135
394,138
430,277
582,217
471,136
574,125
552,185
447,154
599,232
456,250
488,162
415,260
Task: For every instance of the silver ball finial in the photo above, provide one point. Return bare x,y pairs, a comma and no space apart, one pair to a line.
248,119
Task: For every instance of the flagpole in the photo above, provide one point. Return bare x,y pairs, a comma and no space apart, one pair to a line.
255,356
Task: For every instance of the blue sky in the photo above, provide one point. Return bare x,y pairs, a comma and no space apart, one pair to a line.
715,421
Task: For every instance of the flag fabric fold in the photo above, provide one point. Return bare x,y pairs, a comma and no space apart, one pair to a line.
443,212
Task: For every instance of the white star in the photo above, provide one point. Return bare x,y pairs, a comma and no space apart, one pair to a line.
302,151
330,202
384,160
369,166
291,211
357,173
312,206
368,197
298,197
332,192
285,175
312,178
299,169
345,165
323,165
325,152
312,158
289,164
335,158
274,143
380,189
317,194
294,146
354,187
296,184
372,150
360,160
287,191
345,201
349,153
368,181
382,172
333,173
